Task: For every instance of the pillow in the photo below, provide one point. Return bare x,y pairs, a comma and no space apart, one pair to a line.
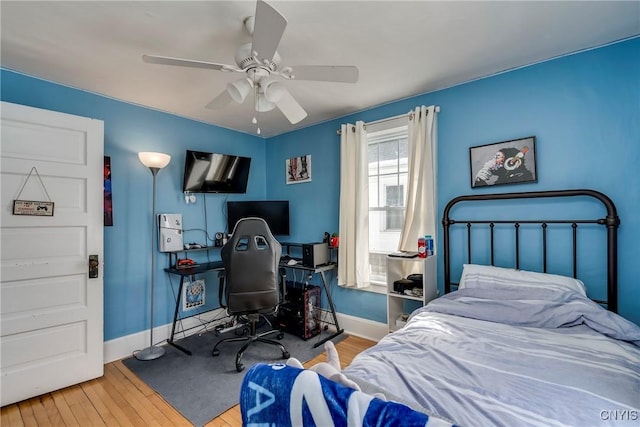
474,275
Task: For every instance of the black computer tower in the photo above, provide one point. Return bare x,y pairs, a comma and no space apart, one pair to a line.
300,313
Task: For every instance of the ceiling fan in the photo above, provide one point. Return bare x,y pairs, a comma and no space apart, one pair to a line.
261,64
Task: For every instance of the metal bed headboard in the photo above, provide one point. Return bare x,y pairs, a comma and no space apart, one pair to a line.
611,221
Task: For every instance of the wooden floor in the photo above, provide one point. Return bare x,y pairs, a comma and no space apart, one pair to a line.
119,398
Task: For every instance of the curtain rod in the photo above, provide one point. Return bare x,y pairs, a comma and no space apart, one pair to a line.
410,113
388,119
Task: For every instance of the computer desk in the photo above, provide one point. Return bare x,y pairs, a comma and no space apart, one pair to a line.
218,266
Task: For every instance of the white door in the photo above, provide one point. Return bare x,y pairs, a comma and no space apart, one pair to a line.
51,315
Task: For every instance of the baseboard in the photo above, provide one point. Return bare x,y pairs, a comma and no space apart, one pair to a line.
124,347
363,328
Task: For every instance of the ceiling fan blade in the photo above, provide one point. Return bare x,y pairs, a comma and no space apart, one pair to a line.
267,30
326,73
165,60
290,107
220,101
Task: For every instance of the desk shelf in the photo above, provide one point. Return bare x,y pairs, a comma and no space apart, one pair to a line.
198,269
174,255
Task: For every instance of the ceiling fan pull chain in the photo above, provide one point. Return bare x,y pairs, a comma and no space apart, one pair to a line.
256,93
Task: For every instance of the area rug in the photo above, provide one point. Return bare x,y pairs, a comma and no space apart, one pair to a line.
201,386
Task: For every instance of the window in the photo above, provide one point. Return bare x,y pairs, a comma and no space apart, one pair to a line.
394,214
388,170
379,183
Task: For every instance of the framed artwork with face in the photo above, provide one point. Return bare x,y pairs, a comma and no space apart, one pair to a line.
507,162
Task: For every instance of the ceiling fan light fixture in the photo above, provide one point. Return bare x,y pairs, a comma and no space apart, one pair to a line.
239,89
273,91
262,104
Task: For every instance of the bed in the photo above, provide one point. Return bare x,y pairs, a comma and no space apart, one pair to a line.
503,347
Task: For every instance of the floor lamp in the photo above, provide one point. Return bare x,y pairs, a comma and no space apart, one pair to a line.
155,162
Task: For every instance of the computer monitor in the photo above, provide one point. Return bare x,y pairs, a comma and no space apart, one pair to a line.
274,212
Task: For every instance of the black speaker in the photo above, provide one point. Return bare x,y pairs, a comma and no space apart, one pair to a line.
300,313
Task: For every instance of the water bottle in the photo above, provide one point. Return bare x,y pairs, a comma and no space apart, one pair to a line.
429,244
422,247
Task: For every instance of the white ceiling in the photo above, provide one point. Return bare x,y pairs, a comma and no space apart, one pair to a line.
401,48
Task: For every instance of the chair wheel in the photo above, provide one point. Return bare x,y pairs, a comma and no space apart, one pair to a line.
280,336
239,367
285,355
215,353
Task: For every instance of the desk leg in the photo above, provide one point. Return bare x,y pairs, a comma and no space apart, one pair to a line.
175,319
333,313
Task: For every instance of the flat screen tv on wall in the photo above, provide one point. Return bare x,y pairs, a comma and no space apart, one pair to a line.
274,212
215,173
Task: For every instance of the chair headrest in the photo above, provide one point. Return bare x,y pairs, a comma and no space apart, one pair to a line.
257,234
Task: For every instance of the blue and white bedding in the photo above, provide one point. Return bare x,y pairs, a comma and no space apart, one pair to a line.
511,356
282,395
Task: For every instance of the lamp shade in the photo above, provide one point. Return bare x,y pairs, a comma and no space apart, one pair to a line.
273,91
263,105
239,89
154,160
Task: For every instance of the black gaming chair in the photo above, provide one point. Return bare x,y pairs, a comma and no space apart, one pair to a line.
251,258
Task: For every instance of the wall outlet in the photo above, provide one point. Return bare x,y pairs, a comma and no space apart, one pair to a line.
189,197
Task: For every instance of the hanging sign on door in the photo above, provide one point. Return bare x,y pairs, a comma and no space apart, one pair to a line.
30,207
33,207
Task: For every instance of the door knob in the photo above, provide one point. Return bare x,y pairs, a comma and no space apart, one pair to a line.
93,266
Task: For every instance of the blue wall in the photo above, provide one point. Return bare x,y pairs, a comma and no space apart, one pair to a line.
583,109
129,129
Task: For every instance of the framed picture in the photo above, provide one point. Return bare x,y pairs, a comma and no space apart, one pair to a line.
108,200
507,162
298,169
193,294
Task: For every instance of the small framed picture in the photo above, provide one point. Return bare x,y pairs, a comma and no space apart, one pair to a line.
193,294
298,169
507,162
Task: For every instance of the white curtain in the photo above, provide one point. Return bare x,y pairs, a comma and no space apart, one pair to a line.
420,217
353,255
